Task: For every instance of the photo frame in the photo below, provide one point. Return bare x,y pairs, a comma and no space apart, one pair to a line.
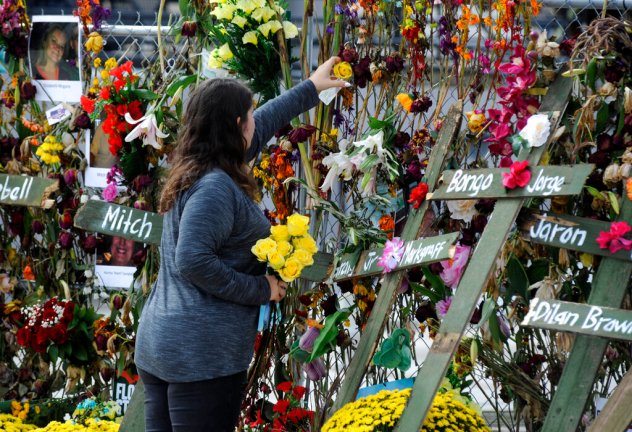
114,266
55,57
100,160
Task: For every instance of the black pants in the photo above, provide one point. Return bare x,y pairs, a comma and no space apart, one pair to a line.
200,406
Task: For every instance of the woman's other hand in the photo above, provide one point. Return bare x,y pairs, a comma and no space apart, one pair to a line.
322,77
278,288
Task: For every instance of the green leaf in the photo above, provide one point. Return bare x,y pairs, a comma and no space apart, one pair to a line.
377,124
53,353
614,201
603,115
537,271
80,353
184,6
591,73
517,143
437,283
517,278
368,163
145,94
433,296
183,81
594,192
327,337
488,309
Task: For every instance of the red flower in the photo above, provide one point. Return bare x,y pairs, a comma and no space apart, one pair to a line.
281,406
105,93
298,392
296,415
613,240
518,176
87,104
284,387
418,195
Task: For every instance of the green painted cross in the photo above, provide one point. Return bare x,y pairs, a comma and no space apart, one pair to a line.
480,267
27,190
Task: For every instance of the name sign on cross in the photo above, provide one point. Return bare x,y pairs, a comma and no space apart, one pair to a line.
26,190
546,181
417,252
126,222
580,318
568,232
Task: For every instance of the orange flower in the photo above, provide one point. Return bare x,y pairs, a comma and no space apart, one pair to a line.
405,100
387,224
28,273
628,188
314,323
535,7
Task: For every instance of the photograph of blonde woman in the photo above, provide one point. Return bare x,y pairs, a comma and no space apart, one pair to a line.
50,47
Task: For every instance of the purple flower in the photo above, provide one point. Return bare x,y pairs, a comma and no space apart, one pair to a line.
504,325
315,370
89,244
301,134
141,182
99,14
394,63
65,240
37,226
110,192
70,177
83,121
306,342
453,269
393,251
443,306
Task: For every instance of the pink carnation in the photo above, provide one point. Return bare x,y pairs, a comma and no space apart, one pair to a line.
110,192
393,251
453,269
613,240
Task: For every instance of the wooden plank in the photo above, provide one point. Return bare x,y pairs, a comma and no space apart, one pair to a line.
134,418
320,270
472,284
575,386
116,220
616,415
568,232
26,190
346,266
488,183
392,281
417,252
579,318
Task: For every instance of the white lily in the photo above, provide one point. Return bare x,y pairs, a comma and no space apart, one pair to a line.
147,127
339,164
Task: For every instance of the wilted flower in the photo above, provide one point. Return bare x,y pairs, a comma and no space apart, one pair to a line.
27,90
65,240
189,28
94,43
301,134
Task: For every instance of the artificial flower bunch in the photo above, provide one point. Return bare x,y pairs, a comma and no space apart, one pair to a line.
95,409
45,324
287,412
289,248
381,411
245,36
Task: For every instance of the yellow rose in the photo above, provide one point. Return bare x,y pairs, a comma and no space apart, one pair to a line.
279,232
303,256
284,247
306,242
94,43
475,121
263,248
276,260
343,70
291,270
297,225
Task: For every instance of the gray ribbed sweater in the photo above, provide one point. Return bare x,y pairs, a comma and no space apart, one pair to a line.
200,319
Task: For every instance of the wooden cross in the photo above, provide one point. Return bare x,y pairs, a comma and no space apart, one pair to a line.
27,190
473,281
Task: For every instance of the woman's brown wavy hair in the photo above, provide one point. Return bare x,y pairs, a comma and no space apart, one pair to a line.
209,137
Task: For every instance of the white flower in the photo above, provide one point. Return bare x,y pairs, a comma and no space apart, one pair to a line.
627,100
147,127
462,209
338,164
546,48
537,130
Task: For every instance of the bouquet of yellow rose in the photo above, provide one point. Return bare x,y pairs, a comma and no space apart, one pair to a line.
288,249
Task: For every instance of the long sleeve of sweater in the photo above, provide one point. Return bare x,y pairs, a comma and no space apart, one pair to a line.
278,112
205,225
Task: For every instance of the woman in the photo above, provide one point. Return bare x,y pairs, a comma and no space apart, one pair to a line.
50,64
197,331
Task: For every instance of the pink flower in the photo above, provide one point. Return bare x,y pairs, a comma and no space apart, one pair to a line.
453,269
443,306
393,251
518,175
306,342
110,192
613,240
315,370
